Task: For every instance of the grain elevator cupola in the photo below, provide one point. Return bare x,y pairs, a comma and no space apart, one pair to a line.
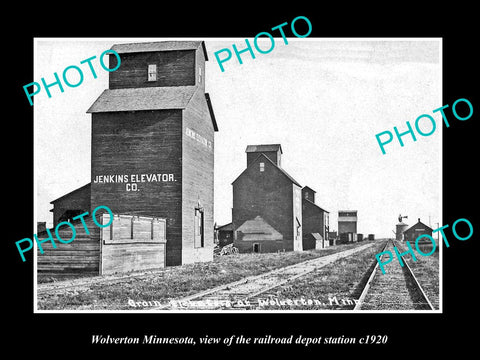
273,152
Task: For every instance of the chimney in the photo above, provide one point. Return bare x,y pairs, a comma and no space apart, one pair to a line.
418,219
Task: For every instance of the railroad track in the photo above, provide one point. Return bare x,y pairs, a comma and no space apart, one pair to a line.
76,286
397,289
237,295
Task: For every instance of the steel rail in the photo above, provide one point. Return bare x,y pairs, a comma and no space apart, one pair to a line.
361,299
417,284
327,259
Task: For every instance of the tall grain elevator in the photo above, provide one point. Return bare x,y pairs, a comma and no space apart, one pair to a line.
152,155
153,143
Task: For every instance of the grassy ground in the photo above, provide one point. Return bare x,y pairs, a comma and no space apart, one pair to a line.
334,287
175,282
427,271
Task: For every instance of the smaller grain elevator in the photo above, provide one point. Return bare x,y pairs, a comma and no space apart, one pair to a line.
347,225
267,204
315,224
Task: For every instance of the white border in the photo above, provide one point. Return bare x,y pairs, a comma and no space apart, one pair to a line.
146,311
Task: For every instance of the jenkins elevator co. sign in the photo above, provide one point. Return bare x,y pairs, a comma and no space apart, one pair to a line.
131,180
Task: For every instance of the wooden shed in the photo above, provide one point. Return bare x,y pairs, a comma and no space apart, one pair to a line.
129,243
225,234
71,204
267,205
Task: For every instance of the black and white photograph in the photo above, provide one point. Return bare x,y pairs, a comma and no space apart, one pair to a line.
204,181
226,189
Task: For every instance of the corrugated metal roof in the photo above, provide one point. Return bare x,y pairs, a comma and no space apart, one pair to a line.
264,147
151,98
159,46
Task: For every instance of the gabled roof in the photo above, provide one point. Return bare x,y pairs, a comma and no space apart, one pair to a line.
149,98
309,188
71,192
312,203
271,162
226,227
160,46
262,148
419,222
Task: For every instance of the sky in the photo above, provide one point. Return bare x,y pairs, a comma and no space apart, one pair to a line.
323,100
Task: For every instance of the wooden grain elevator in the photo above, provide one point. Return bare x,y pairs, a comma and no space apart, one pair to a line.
152,145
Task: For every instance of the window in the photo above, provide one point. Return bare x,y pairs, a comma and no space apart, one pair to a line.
199,228
262,167
256,247
152,72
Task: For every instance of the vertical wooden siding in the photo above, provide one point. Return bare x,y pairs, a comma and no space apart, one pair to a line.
77,200
268,194
174,68
142,142
198,178
132,243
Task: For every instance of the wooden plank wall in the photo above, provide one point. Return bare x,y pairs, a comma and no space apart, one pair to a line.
267,194
77,200
174,68
312,222
198,177
97,253
141,142
82,255
132,243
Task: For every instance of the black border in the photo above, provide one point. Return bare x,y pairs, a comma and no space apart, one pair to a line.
60,335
